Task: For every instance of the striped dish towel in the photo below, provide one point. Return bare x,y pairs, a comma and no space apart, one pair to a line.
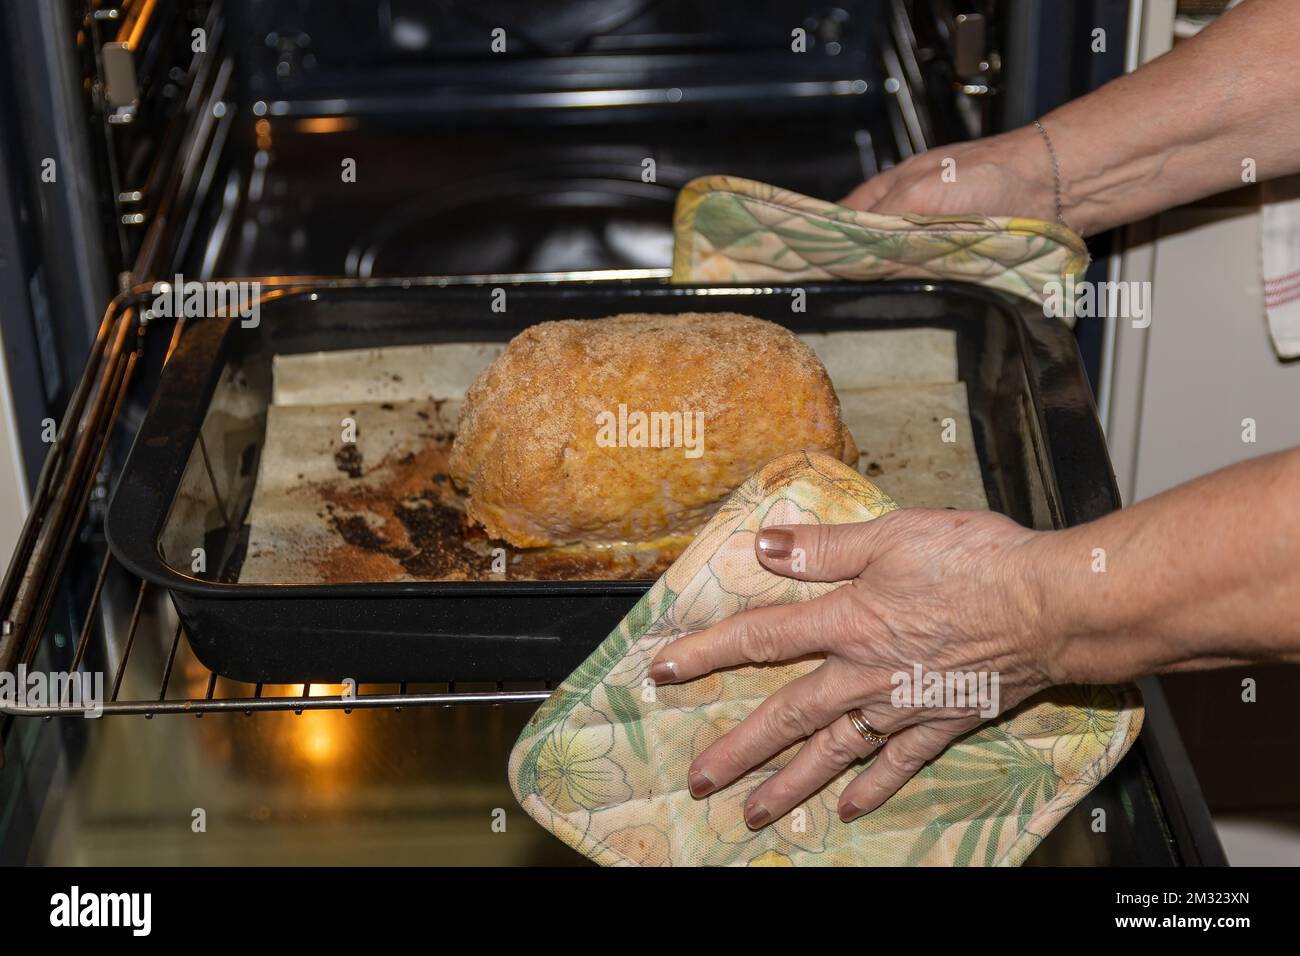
1280,234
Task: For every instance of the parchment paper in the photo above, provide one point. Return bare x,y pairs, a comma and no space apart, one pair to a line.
324,511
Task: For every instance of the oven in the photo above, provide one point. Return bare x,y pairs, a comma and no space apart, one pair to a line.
407,144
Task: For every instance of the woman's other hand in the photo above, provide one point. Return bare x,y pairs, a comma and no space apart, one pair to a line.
1006,175
945,590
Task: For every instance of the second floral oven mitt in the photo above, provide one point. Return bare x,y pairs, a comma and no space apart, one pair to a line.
729,230
603,763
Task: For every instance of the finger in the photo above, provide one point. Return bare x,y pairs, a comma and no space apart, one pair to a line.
826,552
794,712
765,635
827,753
898,761
866,195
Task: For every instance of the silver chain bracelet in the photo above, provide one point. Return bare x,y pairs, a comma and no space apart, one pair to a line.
1056,173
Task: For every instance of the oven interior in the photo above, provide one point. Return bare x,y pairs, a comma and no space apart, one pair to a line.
514,141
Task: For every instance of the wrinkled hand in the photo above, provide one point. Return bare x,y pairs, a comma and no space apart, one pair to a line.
1005,175
943,589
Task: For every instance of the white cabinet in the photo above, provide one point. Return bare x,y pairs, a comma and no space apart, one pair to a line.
1174,395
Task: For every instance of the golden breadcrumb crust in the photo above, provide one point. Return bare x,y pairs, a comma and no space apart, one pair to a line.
527,449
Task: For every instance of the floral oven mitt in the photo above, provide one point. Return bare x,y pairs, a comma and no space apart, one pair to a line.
603,763
727,230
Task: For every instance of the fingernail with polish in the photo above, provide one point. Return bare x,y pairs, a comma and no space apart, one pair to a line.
757,816
700,784
776,542
663,672
850,811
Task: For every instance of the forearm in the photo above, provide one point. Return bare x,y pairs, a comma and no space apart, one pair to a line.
1180,127
1205,574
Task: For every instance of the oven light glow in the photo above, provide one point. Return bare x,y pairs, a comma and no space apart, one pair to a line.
320,745
325,124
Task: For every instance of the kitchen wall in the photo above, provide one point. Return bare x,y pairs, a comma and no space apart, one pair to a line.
1183,386
1174,396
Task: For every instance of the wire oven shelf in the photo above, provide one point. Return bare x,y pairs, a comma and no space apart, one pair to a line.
140,673
140,656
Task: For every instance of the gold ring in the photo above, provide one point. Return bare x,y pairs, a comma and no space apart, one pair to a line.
859,721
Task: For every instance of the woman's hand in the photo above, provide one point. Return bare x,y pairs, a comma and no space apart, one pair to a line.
1137,146
946,590
1005,175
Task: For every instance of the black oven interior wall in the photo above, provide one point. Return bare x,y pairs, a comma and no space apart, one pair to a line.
529,138
444,131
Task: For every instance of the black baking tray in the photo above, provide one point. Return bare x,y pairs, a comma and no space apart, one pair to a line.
1040,446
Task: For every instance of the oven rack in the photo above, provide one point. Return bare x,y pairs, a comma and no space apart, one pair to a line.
148,669
69,500
66,518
